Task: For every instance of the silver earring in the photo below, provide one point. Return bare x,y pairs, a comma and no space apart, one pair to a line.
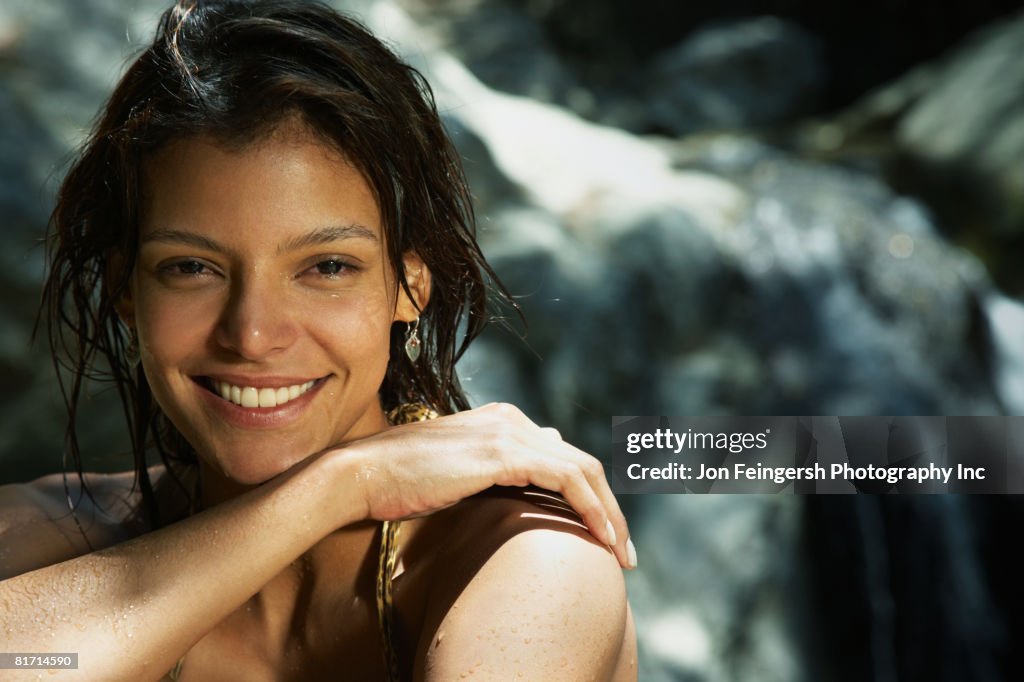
412,340
131,351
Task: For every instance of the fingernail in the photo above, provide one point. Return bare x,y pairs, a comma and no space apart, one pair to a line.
631,553
611,532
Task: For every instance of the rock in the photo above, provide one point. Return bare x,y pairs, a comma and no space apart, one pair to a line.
502,47
728,619
748,73
825,292
969,122
950,132
1006,320
492,189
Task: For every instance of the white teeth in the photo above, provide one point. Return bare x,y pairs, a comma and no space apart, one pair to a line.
248,396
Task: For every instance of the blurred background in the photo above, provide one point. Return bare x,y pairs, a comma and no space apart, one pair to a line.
710,208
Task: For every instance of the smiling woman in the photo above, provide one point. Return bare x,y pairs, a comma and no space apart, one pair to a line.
267,245
244,287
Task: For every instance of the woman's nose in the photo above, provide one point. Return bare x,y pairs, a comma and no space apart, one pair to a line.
257,320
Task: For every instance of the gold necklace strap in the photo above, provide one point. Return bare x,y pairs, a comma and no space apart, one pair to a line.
402,414
176,671
385,603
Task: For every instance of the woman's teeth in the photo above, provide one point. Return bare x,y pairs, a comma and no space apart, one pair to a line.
247,396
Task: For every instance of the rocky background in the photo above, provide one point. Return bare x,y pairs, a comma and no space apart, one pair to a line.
781,207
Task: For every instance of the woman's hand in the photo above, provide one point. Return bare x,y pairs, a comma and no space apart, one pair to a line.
422,467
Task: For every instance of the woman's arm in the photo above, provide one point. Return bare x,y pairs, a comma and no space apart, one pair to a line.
131,610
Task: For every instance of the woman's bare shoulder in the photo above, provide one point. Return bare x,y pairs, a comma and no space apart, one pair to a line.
109,498
520,583
457,542
52,518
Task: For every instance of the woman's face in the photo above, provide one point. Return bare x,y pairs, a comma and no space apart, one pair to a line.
263,300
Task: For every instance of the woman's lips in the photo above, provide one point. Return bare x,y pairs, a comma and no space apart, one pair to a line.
249,406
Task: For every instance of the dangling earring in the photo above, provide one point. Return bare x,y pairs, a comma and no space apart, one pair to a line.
412,340
131,351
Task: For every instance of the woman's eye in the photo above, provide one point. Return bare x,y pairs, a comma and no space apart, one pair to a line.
185,267
333,267
190,267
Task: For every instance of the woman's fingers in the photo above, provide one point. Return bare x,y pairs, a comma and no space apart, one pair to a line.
566,478
594,471
418,468
586,489
551,434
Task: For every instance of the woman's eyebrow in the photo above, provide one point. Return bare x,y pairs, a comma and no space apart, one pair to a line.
323,235
184,237
326,235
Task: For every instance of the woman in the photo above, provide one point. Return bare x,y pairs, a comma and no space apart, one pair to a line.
267,245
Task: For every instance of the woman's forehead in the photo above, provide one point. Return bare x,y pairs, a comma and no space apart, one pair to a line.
288,177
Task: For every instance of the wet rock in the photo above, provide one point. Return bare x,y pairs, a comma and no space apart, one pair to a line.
820,289
949,132
750,73
970,120
502,46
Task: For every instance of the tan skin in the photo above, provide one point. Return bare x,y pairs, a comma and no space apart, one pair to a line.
264,267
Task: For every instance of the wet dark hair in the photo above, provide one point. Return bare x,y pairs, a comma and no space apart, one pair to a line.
235,71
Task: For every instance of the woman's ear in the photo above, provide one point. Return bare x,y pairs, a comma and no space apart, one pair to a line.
418,277
125,308
124,304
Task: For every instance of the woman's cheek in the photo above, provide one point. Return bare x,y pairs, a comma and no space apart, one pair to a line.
352,328
174,325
